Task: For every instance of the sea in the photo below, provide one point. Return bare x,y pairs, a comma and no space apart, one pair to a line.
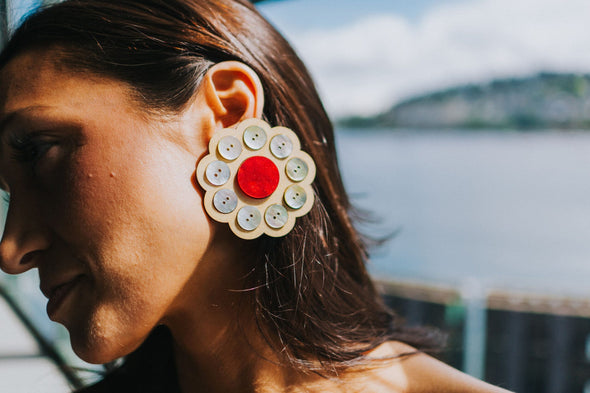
490,210
470,210
496,209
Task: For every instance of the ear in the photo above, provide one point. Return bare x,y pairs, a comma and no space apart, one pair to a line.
233,92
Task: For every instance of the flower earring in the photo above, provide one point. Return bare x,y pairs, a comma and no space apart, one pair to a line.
257,179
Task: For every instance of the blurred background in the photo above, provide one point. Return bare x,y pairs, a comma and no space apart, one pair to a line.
462,125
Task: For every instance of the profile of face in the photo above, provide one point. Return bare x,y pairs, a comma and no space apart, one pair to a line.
103,201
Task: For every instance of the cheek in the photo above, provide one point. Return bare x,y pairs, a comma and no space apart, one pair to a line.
142,213
141,224
107,187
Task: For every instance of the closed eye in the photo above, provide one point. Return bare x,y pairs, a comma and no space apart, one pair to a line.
30,148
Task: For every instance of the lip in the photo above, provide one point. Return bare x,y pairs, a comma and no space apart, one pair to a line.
58,294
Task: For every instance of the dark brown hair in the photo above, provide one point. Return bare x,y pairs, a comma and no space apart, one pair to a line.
315,301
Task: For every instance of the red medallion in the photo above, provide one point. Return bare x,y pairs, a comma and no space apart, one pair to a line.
258,177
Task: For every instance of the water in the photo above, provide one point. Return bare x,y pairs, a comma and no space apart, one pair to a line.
497,209
509,210
500,209
473,210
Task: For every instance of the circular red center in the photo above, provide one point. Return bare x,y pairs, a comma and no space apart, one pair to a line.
258,177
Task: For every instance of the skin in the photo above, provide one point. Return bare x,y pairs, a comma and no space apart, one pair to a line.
98,206
106,202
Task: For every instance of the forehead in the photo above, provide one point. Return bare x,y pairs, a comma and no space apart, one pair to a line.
30,74
35,78
21,76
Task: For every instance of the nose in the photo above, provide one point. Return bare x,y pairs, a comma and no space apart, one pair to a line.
23,241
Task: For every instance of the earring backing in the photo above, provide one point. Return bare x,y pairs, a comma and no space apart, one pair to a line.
257,179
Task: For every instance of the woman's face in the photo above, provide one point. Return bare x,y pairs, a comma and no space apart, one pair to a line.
102,201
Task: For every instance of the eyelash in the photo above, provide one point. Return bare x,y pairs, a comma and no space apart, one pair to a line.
28,148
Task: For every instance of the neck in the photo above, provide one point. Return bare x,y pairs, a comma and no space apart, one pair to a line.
218,351
214,362
217,345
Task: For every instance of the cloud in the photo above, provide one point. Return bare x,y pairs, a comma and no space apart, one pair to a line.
365,67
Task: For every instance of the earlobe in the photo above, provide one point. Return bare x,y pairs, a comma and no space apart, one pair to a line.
233,92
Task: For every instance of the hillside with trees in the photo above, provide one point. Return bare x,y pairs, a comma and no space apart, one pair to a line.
556,101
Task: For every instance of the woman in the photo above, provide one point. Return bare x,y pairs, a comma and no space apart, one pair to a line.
106,108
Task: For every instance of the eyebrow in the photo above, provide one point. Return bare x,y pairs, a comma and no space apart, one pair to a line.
11,117
15,116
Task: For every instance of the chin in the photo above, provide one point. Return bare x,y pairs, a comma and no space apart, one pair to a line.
99,354
95,347
95,357
96,354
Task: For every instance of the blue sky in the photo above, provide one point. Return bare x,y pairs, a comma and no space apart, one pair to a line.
16,8
365,55
317,13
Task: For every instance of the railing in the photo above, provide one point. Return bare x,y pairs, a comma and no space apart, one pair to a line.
523,341
47,346
24,298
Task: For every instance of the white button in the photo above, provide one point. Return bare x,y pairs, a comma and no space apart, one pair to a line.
249,218
225,201
229,147
281,146
295,196
254,137
217,173
276,216
296,169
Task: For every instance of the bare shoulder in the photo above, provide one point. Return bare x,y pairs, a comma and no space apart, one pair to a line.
418,373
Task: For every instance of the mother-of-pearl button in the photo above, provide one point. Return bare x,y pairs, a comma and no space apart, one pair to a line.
296,169
225,201
276,216
295,197
229,147
254,137
217,173
281,146
249,218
